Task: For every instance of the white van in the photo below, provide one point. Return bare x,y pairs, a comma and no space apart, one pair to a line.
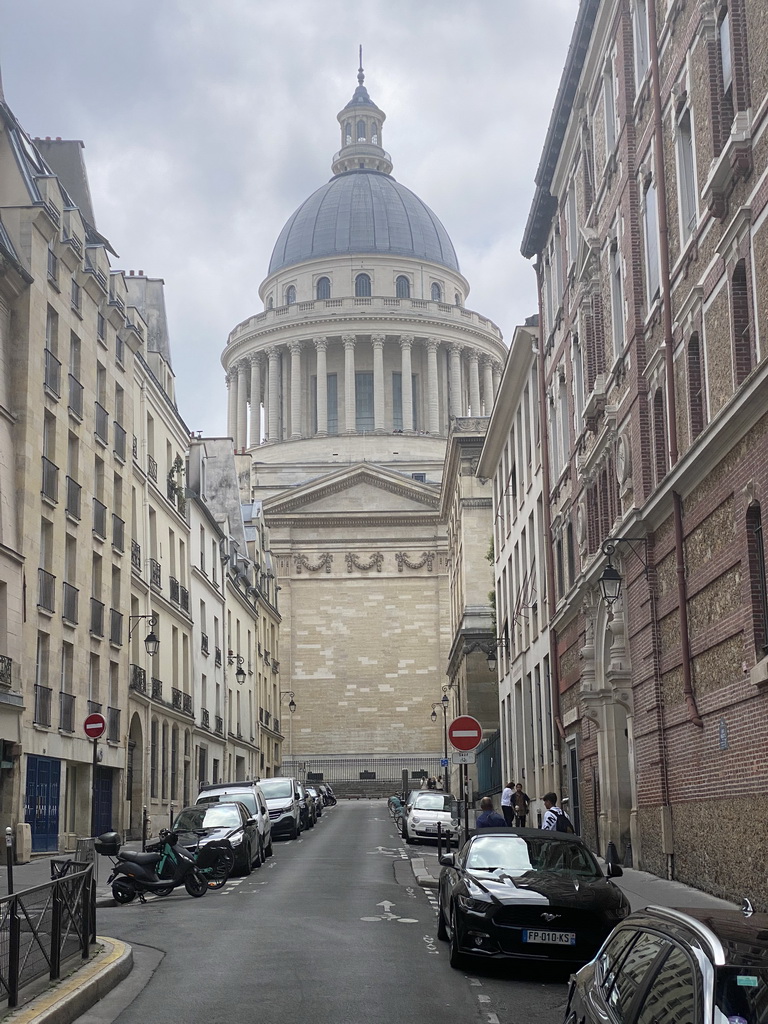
284,803
250,794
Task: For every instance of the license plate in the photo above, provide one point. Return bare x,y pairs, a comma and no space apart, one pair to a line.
552,938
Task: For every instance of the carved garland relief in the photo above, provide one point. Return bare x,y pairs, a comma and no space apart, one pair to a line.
376,561
353,562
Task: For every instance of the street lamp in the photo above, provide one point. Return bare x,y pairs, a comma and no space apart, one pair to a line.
610,580
239,671
151,642
443,705
291,702
291,708
492,648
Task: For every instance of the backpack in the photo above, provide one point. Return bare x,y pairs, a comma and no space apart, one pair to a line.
563,824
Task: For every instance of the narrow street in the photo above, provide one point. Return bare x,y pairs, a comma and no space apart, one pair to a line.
332,929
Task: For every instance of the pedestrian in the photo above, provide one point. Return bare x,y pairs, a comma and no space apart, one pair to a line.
555,818
424,782
522,805
439,782
488,818
430,783
507,807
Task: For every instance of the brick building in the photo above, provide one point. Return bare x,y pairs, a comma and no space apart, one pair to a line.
648,228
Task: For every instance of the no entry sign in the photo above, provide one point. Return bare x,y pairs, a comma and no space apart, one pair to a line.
94,725
465,732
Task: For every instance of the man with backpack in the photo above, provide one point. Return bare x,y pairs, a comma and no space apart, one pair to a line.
555,818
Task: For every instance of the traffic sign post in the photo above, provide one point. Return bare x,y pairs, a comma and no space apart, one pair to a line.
465,733
94,727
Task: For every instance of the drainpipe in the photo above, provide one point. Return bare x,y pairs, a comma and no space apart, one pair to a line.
666,295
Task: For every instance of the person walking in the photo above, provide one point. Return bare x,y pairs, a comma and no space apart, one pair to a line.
507,807
488,818
555,818
521,803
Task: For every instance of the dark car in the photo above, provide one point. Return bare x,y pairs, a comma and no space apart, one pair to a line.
230,821
660,964
526,894
306,806
315,794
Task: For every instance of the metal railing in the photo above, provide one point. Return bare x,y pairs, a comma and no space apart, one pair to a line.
6,670
50,482
138,679
42,705
46,590
152,468
94,707
155,574
219,725
101,425
97,617
186,704
70,596
120,436
136,556
204,643
115,626
173,585
373,768
66,711
52,373
113,725
73,498
99,518
184,599
217,657
157,689
75,396
118,533
45,926
205,718
176,698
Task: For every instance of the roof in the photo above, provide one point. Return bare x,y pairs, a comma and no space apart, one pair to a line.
359,212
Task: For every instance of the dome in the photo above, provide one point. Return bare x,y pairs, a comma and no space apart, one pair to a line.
363,211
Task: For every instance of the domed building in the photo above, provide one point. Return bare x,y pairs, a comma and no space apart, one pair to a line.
341,395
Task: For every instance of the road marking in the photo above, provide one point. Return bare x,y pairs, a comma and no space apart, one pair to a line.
483,999
492,1019
385,851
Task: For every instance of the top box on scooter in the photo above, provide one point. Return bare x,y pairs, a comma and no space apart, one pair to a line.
107,844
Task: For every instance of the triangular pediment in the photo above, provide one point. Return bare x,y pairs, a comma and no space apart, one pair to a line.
358,489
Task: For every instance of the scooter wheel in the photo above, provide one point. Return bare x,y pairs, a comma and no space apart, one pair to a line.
122,892
196,884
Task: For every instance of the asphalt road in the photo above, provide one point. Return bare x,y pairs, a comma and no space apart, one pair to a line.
332,930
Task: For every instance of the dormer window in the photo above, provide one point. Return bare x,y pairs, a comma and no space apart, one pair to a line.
403,287
290,295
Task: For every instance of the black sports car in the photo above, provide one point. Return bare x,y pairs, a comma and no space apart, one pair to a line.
528,894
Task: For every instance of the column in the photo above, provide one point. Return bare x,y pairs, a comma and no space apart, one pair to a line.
231,403
406,340
285,397
274,394
321,345
243,372
295,348
377,341
474,383
255,401
487,385
433,388
266,401
455,351
496,371
350,413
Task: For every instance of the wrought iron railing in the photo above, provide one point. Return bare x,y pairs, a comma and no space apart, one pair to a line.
219,726
120,436
173,585
157,689
6,670
176,696
75,396
184,599
69,596
52,373
50,482
73,498
46,590
101,423
118,533
97,617
94,707
136,556
204,643
115,626
43,705
186,704
138,679
66,712
152,468
205,718
155,574
217,656
99,518
113,725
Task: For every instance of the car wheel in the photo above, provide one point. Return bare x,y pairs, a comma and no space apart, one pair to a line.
311,822
455,956
260,854
442,931
269,851
296,830
248,865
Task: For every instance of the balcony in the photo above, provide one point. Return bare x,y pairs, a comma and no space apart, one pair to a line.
136,556
176,698
186,704
6,670
118,533
275,727
101,423
152,468
97,617
138,679
73,498
275,666
184,599
120,440
43,706
219,725
50,486
52,374
46,590
157,689
173,583
115,627
155,574
205,718
75,397
70,597
99,519
94,707
217,657
135,448
113,725
66,712
204,643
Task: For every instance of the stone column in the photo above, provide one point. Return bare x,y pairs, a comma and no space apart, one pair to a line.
255,401
243,372
266,400
487,385
295,347
377,341
232,403
496,371
274,394
474,382
456,403
350,414
321,345
433,388
406,341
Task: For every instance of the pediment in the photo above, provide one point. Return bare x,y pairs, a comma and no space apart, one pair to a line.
355,490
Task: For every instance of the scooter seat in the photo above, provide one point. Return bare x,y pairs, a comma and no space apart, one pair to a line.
139,858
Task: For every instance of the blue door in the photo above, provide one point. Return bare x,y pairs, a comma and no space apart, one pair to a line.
41,808
103,800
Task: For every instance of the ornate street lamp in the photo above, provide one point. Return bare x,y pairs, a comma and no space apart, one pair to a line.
151,642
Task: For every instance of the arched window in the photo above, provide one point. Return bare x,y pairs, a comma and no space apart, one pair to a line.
659,436
437,292
403,287
375,133
742,341
362,285
270,303
361,131
457,299
323,288
347,133
290,295
757,579
695,392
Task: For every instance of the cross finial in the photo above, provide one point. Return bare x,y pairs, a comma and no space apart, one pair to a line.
360,72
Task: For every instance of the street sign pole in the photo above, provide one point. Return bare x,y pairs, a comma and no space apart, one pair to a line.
93,787
94,726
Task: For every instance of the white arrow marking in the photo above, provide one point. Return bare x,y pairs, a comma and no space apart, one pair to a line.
386,904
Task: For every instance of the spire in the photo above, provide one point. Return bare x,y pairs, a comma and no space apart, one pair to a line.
361,124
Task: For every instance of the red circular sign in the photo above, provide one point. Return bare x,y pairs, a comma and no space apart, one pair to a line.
465,732
94,725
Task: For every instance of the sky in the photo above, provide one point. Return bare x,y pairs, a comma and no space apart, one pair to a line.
206,123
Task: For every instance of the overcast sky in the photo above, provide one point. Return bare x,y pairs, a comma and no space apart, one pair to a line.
207,122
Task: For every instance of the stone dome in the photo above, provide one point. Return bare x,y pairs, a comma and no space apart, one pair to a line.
363,211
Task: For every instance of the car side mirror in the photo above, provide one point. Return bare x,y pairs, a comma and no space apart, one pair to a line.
448,860
251,821
614,870
296,795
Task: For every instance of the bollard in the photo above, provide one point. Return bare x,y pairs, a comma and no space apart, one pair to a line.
611,856
628,856
9,857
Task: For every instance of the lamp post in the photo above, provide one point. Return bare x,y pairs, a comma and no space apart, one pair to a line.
610,580
292,709
443,705
239,671
151,642
490,647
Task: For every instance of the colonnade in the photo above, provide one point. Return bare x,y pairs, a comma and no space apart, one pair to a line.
273,377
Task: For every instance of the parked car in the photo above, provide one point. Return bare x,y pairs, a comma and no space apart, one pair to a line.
252,796
231,820
526,894
659,964
429,808
282,797
318,800
325,794
307,805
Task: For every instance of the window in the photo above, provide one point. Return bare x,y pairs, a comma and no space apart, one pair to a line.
101,327
651,234
742,342
617,299
362,286
659,436
290,295
637,963
347,133
437,292
323,288
402,287
361,131
672,995
640,29
686,175
456,299
363,401
695,388
374,133
726,73
75,294
571,224
577,361
609,101
758,584
270,303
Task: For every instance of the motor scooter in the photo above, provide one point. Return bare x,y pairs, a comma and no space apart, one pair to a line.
136,874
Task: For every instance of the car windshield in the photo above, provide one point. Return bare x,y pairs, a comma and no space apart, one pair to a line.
243,796
432,802
741,994
212,816
276,788
515,855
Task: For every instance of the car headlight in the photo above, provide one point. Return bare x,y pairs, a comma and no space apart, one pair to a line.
236,840
454,824
415,820
474,905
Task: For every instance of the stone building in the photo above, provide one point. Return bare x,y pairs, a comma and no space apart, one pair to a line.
342,390
648,230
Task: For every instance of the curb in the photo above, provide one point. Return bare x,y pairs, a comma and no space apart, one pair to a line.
422,876
67,999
